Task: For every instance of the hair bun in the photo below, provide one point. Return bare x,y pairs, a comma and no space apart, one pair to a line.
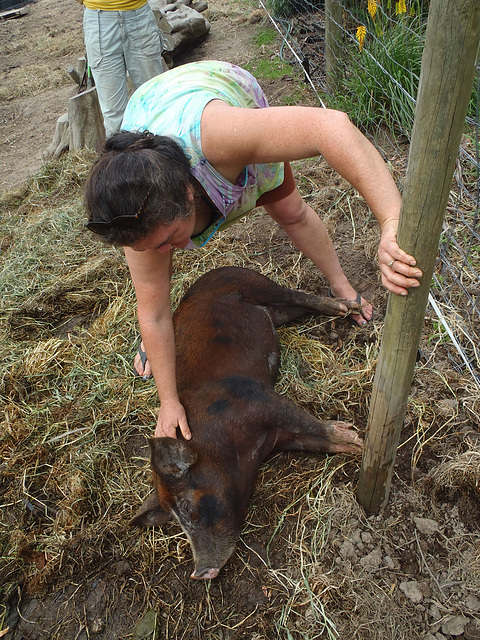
130,141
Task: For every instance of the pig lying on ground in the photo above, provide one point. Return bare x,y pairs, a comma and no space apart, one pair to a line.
227,363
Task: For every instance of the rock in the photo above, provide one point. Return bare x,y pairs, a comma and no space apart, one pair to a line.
472,631
472,602
200,6
434,612
455,625
412,591
181,23
389,563
146,627
426,526
188,22
256,16
348,550
372,561
366,537
97,626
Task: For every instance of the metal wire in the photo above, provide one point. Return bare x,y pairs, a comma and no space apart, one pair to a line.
456,282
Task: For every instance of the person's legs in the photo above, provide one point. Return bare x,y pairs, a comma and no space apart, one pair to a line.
103,42
309,234
143,45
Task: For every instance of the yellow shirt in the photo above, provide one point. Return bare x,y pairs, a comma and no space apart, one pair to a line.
114,5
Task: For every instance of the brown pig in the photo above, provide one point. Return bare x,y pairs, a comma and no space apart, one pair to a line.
227,363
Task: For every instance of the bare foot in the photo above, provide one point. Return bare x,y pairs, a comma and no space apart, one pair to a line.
141,364
349,293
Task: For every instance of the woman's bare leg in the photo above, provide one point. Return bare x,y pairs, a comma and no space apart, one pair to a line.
309,234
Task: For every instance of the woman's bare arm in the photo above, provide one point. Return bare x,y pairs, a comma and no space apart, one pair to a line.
233,137
150,271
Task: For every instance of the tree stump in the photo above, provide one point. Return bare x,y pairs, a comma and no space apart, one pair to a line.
85,121
60,140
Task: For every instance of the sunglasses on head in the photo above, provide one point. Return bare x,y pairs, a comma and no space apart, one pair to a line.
127,221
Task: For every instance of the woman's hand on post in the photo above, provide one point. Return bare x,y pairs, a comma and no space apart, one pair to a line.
172,415
399,270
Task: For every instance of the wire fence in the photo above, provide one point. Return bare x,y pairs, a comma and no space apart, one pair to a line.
365,57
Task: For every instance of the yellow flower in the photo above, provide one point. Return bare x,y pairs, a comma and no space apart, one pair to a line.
372,8
400,7
361,33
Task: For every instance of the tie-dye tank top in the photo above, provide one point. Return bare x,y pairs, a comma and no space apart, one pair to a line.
172,104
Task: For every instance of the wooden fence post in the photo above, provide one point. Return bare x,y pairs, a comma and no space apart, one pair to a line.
333,42
448,68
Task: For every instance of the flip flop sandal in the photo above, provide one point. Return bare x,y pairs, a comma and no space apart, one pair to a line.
358,300
143,360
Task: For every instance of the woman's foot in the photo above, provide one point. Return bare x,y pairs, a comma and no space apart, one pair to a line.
349,293
141,365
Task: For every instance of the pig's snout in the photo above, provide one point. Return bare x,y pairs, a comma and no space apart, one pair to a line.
205,574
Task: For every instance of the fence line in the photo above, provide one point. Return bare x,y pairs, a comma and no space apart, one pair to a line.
379,68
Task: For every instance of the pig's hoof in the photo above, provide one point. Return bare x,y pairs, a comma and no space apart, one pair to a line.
205,574
343,437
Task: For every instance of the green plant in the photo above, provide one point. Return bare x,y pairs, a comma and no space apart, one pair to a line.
265,37
383,71
473,106
270,69
288,8
293,98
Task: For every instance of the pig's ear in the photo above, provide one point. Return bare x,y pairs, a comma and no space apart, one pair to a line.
171,458
150,513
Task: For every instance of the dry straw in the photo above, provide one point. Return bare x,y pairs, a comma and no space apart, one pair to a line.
74,423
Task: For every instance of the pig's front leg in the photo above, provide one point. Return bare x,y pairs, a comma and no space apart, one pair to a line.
298,430
332,437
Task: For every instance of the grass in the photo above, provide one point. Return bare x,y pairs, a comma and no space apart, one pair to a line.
381,81
74,422
57,41
265,37
73,425
269,69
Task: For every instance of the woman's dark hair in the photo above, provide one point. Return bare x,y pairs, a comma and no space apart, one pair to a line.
137,173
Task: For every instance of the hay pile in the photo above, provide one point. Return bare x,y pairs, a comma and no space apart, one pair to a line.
73,467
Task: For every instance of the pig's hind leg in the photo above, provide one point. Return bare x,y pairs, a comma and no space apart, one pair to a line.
297,304
286,305
298,430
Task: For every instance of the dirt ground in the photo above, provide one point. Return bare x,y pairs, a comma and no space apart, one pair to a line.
310,563
36,50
